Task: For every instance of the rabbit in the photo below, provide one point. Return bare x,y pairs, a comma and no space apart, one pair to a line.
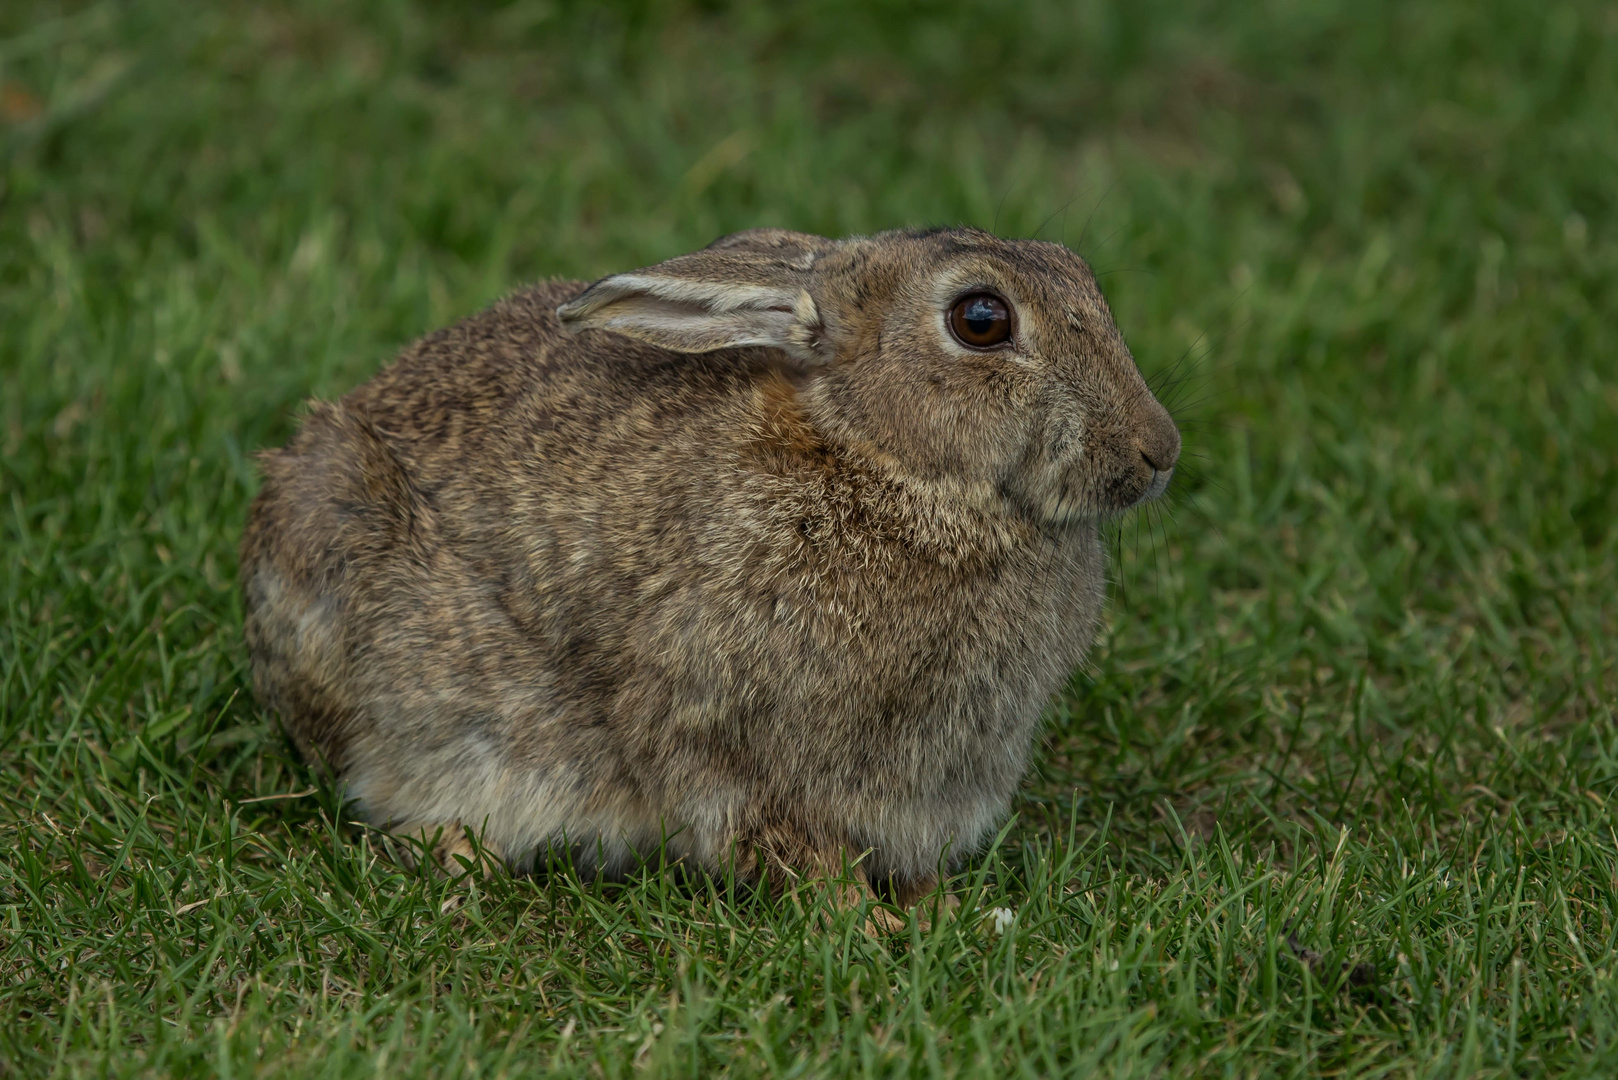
769,557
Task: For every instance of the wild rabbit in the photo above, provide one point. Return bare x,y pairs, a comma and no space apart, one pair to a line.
774,552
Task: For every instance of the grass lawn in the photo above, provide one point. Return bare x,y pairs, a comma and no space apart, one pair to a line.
1336,792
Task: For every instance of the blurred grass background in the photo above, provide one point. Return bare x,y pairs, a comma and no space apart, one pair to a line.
1355,696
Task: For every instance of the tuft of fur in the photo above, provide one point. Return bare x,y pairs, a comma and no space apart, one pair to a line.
742,554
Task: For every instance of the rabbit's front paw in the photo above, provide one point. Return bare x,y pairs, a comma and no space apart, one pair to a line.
458,856
453,851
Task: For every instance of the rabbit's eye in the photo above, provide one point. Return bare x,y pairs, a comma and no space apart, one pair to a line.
980,320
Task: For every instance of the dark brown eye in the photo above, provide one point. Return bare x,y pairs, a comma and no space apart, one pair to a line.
981,320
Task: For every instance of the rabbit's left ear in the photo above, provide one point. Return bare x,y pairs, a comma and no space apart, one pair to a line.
722,297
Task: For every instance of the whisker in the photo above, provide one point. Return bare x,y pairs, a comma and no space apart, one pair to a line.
1107,240
1001,205
1058,210
1079,247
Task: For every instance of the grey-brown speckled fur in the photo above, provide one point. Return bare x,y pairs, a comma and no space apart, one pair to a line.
748,553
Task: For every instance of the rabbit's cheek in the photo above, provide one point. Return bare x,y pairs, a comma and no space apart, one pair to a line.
1066,441
1055,492
1055,476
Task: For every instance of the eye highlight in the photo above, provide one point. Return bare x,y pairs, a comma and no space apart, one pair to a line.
980,320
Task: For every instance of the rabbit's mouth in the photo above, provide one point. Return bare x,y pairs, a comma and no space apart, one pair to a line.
1159,484
1139,485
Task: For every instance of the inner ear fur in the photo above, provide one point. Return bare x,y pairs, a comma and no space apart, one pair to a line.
749,288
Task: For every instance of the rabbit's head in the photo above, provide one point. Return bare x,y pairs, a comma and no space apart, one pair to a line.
951,357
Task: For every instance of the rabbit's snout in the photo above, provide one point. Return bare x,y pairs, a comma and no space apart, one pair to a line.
1159,446
1100,461
1157,441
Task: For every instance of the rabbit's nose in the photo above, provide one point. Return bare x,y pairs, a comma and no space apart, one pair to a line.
1159,461
1159,440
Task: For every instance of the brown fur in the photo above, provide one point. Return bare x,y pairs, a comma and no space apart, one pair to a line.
741,551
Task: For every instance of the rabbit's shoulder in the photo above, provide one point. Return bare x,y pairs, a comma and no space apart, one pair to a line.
449,390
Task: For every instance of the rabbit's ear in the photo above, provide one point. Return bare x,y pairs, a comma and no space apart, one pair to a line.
718,298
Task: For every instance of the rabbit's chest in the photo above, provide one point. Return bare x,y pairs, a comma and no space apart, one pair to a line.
940,665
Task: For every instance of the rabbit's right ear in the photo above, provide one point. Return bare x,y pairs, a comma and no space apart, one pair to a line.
747,289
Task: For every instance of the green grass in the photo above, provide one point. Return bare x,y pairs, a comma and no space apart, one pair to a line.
1359,676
